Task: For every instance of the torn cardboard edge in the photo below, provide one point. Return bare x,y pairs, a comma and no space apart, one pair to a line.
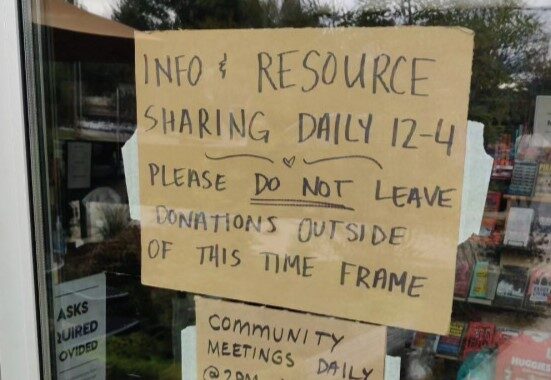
131,175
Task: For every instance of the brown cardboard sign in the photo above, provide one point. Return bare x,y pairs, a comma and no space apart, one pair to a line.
315,169
238,341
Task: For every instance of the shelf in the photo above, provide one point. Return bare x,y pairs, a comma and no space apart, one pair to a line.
446,357
498,215
102,132
483,303
515,248
500,178
521,198
479,301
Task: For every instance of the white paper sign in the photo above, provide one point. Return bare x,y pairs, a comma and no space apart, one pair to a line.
519,224
79,312
542,117
189,357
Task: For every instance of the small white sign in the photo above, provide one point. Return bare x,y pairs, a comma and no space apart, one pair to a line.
542,117
519,224
80,325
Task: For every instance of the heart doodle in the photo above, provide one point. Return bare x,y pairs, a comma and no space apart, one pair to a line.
289,161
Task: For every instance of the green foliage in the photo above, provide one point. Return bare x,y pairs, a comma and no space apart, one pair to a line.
138,353
510,61
217,14
144,14
511,50
115,219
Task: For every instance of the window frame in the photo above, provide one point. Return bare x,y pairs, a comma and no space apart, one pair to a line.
19,334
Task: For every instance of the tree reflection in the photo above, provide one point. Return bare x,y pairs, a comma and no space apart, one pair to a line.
510,64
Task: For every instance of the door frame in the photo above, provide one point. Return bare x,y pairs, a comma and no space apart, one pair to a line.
19,338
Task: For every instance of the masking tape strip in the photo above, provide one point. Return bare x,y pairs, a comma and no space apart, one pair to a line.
131,174
478,169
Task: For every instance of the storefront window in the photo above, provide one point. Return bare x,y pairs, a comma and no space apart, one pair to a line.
102,322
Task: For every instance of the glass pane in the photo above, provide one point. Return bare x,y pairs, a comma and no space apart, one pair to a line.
104,323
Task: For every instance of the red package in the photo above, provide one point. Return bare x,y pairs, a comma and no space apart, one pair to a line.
527,356
479,335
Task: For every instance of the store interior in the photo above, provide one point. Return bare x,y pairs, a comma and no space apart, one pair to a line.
502,296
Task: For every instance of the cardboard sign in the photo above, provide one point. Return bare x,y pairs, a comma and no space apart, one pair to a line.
237,341
315,169
79,311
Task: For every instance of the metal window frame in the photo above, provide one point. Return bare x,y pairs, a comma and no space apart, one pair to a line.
19,338
25,344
